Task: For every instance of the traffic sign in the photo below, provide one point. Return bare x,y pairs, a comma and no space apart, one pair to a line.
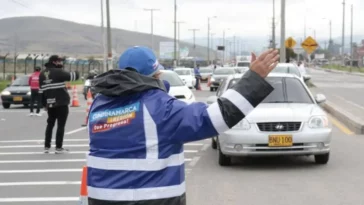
290,43
309,45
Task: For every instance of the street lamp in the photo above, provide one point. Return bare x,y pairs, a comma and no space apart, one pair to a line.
25,63
194,43
208,38
151,24
223,43
178,39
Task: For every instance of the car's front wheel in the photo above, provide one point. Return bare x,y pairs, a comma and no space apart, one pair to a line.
224,160
322,158
6,105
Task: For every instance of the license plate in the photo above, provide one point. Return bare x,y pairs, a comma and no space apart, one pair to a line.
18,98
280,141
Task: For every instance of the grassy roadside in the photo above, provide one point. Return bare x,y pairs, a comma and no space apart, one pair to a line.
344,68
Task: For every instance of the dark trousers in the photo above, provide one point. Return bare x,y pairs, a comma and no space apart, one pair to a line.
35,97
60,114
197,82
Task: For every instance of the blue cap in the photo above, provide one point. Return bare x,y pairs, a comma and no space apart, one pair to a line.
142,59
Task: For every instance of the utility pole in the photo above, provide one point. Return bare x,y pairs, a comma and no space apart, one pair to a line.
234,42
212,45
330,31
151,25
343,35
194,42
175,31
351,39
274,26
283,31
103,38
208,38
109,51
178,39
223,42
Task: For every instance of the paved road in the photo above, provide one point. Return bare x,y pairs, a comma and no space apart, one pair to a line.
30,177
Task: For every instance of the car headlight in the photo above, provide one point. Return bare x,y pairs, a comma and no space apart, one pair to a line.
29,93
318,122
243,125
212,79
5,92
88,83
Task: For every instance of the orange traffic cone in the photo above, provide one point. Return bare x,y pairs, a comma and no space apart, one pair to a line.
68,85
12,79
83,190
89,103
209,81
199,86
75,102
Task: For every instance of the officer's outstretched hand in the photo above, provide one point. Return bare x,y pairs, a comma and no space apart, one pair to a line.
265,63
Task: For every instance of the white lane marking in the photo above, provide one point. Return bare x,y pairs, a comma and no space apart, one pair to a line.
38,171
33,146
193,144
40,183
350,102
39,199
205,147
71,152
194,161
37,153
52,161
76,130
42,140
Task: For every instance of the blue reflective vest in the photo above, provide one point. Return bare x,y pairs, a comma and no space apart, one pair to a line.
136,145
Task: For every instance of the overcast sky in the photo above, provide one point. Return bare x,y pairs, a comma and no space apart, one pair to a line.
242,17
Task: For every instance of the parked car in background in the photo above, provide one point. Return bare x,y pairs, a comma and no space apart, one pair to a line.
219,75
206,72
288,122
291,69
178,89
17,93
243,64
187,75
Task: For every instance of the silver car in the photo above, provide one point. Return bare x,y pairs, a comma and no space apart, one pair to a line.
205,73
292,69
219,75
288,122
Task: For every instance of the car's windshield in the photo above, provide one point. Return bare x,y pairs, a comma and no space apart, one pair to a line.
205,70
286,69
224,71
172,78
21,81
286,90
183,72
243,64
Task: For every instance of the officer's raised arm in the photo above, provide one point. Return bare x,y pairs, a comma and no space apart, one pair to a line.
196,121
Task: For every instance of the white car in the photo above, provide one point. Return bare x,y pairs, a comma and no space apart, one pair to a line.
288,122
187,75
292,69
178,89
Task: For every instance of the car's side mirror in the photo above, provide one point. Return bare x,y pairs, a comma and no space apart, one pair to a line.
320,98
210,100
306,78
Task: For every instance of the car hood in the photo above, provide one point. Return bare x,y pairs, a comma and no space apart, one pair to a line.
283,112
18,89
180,92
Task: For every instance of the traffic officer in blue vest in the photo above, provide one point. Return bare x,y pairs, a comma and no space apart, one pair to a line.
137,130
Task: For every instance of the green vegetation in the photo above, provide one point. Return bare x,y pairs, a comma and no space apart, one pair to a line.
78,82
3,84
344,68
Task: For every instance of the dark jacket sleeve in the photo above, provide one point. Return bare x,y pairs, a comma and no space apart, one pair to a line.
196,121
65,76
41,83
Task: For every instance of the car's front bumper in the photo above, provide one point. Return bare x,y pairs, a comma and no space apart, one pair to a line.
15,99
252,142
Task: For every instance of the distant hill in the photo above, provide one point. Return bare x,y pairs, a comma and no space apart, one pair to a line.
49,35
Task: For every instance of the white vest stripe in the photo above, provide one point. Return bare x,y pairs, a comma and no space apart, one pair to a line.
136,194
135,164
151,135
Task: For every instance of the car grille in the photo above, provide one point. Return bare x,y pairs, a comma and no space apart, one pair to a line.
264,148
180,96
18,93
279,126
